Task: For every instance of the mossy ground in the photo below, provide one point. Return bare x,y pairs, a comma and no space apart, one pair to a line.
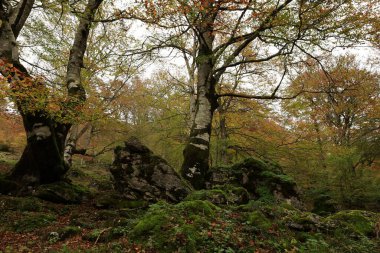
107,224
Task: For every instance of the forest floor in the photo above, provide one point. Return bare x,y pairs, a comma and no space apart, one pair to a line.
102,224
29,224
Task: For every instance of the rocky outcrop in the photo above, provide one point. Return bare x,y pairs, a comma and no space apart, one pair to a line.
262,179
139,174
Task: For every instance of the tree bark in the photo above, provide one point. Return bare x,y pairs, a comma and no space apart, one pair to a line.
72,141
196,153
42,159
223,138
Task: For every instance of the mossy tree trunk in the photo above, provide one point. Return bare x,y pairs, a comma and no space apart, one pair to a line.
197,150
42,160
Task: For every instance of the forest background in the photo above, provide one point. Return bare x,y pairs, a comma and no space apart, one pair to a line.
316,114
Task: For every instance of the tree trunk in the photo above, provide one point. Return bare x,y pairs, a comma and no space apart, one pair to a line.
72,141
322,156
223,138
197,151
42,160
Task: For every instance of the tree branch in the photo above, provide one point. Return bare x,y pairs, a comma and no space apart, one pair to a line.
247,39
75,64
19,15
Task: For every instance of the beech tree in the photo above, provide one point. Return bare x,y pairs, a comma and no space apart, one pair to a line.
343,109
46,119
231,33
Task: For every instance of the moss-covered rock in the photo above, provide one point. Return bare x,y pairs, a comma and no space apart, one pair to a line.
215,196
262,179
354,222
235,195
62,192
285,215
221,195
303,221
139,174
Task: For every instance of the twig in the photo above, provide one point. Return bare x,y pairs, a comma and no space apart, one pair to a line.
101,232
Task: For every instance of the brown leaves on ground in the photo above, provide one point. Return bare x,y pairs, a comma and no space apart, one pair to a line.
39,240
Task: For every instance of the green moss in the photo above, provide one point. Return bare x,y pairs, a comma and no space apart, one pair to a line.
202,207
265,194
154,225
215,196
8,159
151,224
132,204
116,201
250,162
258,219
103,235
288,206
62,192
281,179
119,231
302,221
21,204
355,221
261,179
234,194
68,231
93,235
172,227
32,221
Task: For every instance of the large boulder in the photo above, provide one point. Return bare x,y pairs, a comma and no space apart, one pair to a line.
139,174
262,179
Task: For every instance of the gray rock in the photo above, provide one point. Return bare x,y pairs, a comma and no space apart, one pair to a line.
139,174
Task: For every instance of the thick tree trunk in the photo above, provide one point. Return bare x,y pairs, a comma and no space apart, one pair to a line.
42,160
197,151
